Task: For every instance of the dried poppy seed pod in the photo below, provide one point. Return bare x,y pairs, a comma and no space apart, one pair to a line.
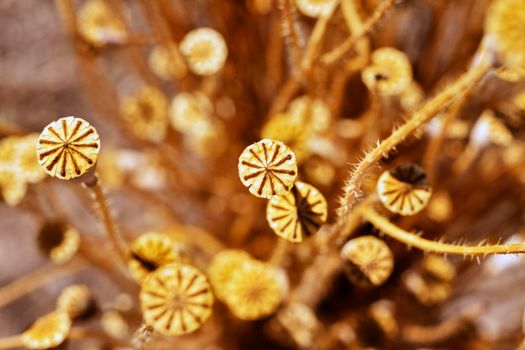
166,62
222,267
146,113
314,8
188,110
439,267
149,252
504,27
390,72
68,148
369,260
176,299
254,291
205,51
267,168
19,153
75,300
114,324
298,213
427,291
48,331
314,112
98,24
291,131
12,185
404,189
58,241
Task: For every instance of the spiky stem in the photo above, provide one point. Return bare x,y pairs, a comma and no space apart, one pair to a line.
413,240
423,115
115,236
333,56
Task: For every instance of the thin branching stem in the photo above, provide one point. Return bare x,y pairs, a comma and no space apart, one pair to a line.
413,240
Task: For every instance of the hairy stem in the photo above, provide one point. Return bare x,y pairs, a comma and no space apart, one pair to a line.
413,240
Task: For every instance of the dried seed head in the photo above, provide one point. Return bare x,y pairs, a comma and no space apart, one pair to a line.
314,8
489,129
504,28
320,171
114,324
289,130
12,184
166,62
254,291
207,138
298,213
205,51
390,72
267,168
146,113
99,25
149,252
48,331
427,291
222,267
438,267
75,300
188,110
404,189
309,112
18,153
68,148
58,241
369,259
176,299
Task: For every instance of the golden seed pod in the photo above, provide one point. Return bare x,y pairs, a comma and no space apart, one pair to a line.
314,8
298,213
18,152
176,299
267,168
99,25
166,62
146,113
404,189
12,184
149,252
390,72
439,267
254,291
75,300
48,331
289,130
188,110
504,28
314,112
369,260
68,147
222,267
207,138
205,51
58,241
114,324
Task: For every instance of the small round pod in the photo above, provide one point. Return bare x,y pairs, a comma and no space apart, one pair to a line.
98,25
404,190
48,331
114,324
150,251
314,112
438,267
504,28
25,158
314,8
204,50
12,185
76,300
298,213
390,72
68,147
176,299
267,168
222,267
427,290
254,291
146,113
188,110
165,61
369,260
58,241
291,131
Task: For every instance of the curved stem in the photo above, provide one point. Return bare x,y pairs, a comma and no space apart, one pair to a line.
119,244
413,240
290,30
423,115
333,56
39,278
